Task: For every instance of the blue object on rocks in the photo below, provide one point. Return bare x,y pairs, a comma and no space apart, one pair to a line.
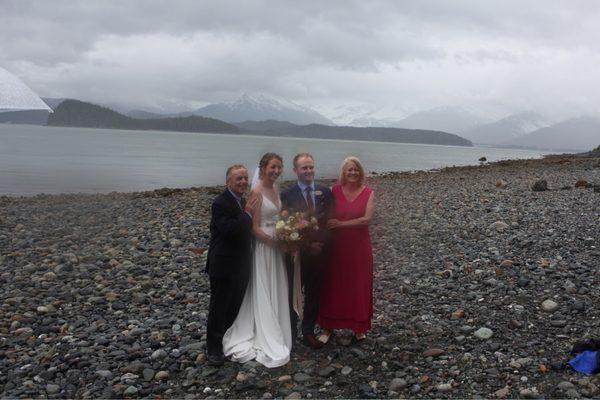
585,362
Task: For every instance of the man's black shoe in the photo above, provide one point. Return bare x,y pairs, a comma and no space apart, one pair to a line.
215,360
311,341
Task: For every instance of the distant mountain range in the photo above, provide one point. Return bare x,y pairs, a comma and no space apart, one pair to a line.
250,108
447,119
269,115
363,116
525,129
81,114
574,134
287,129
506,129
262,108
141,114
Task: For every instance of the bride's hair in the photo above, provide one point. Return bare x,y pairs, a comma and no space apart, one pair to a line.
264,161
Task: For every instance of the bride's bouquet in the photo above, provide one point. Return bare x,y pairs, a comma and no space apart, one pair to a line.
295,230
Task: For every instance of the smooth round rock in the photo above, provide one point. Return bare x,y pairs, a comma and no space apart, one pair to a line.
549,305
52,388
161,376
483,333
106,374
130,391
397,384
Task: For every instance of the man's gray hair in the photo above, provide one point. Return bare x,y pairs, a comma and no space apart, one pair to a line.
233,168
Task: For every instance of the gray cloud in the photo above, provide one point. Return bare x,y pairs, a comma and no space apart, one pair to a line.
409,55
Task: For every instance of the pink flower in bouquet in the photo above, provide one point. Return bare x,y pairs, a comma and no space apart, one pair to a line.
301,224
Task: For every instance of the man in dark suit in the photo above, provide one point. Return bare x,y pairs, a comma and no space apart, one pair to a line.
229,258
303,196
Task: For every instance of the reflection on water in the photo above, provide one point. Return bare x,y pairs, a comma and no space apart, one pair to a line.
36,159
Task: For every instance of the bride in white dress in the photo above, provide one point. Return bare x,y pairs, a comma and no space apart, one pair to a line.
262,329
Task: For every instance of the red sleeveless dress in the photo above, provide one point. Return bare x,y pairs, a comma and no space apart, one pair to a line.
347,288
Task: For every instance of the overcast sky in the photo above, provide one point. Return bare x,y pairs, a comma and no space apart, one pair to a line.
494,57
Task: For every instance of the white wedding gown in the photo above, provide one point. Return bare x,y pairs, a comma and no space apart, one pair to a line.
262,328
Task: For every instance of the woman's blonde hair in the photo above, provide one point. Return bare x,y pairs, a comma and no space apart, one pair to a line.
358,164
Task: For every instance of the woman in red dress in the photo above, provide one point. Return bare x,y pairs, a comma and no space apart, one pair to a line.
347,288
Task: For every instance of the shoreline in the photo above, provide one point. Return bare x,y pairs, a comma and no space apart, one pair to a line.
104,296
165,191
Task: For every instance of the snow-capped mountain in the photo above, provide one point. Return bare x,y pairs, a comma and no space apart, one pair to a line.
363,115
507,128
574,134
261,108
446,119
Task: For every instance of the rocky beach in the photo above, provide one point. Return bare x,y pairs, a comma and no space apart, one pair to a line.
485,277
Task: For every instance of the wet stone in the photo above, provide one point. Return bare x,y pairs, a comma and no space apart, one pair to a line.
148,374
483,333
301,377
52,388
397,384
433,352
130,391
326,372
161,376
108,375
549,305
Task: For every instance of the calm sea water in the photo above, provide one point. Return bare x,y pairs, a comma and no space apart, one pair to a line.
36,159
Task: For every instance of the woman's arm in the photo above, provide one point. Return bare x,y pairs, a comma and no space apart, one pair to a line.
256,229
362,221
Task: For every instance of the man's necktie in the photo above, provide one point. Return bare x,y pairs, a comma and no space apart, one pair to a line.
243,203
309,199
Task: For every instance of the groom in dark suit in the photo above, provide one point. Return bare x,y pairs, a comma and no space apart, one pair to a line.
303,196
229,258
